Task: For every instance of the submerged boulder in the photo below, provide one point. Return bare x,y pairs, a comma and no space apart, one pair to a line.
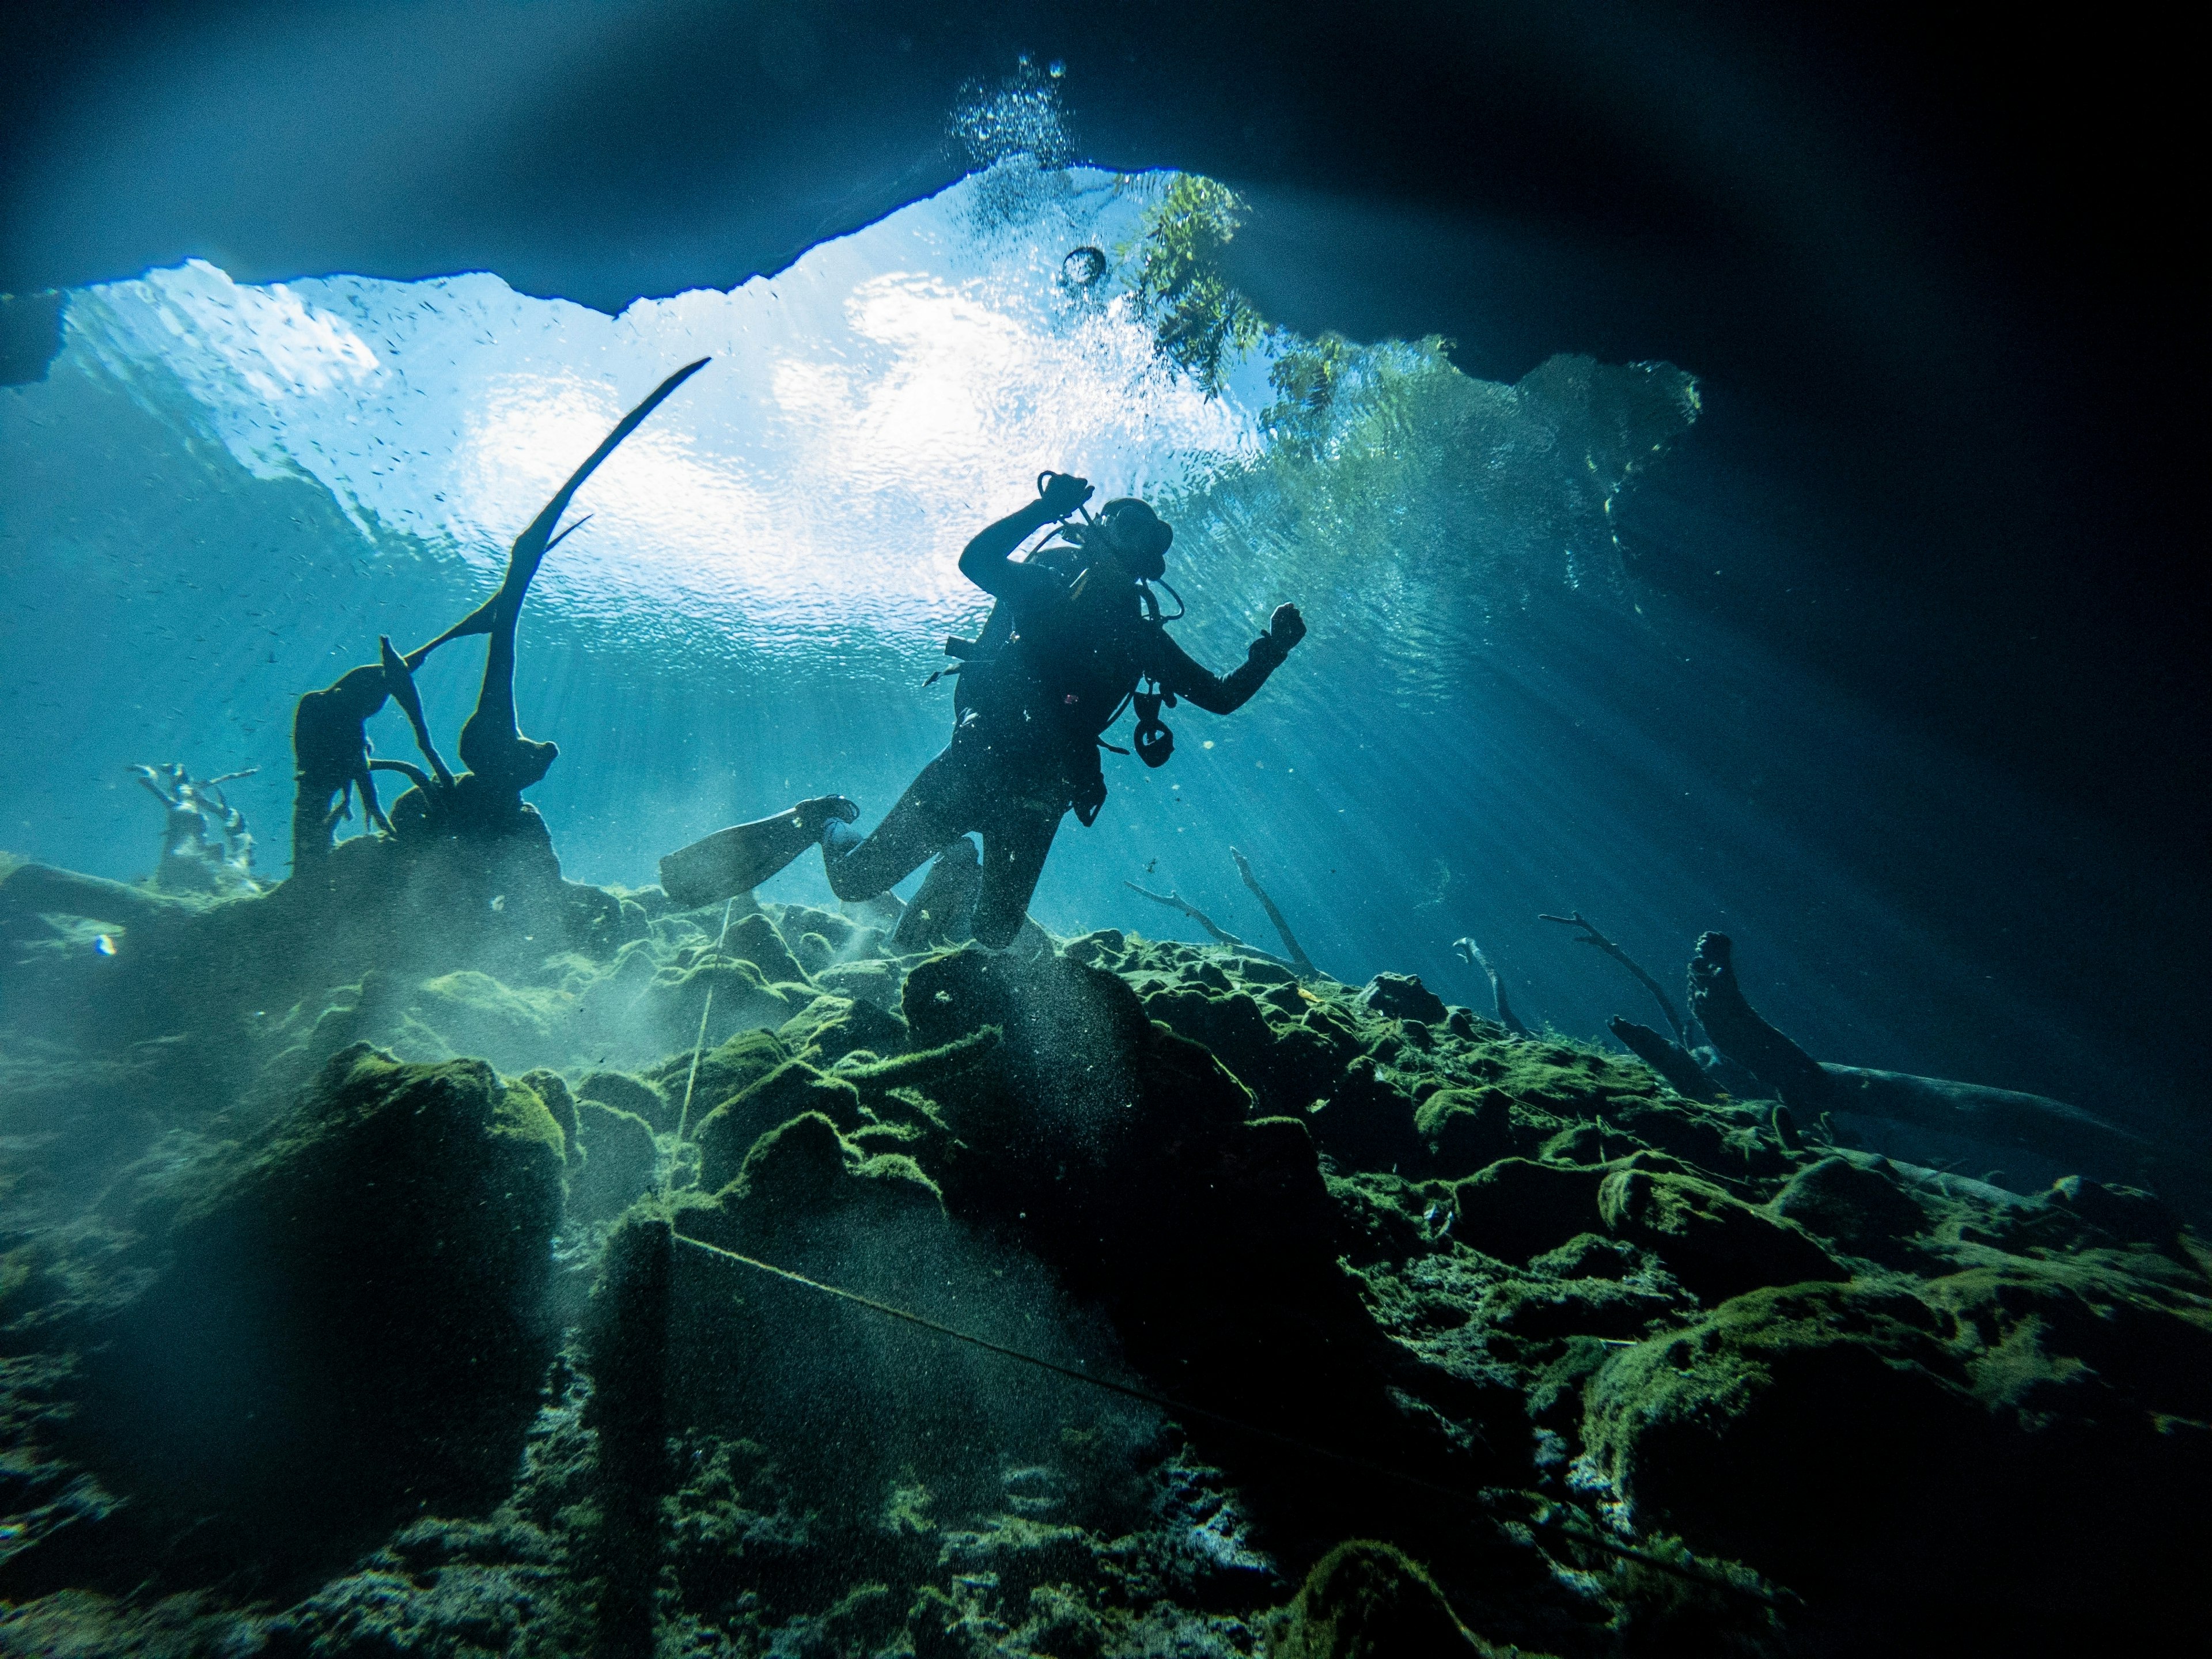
1402,996
1519,1208
351,1322
726,1135
1366,1600
621,1160
1860,1209
1716,1245
2008,1457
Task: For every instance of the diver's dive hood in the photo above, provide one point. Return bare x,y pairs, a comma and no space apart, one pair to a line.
1142,533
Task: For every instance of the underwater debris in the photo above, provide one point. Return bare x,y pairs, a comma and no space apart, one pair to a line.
1472,954
1597,941
205,845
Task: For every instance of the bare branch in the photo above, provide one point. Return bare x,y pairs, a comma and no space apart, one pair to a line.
1598,941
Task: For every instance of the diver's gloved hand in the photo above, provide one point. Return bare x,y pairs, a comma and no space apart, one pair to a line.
1286,627
1063,492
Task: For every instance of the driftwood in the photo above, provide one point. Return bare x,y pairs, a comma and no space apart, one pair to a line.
1739,1031
1300,962
1597,941
1672,1062
2005,1117
1219,935
1471,953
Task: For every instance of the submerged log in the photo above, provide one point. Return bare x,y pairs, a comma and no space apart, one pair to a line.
1738,1031
1674,1063
2003,1117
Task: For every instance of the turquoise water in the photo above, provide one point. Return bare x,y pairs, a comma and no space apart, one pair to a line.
430,1255
238,487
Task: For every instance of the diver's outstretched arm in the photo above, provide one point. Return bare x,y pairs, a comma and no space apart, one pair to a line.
1178,671
530,546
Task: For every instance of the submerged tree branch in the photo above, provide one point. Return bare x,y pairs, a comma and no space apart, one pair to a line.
1471,953
1176,902
1300,964
1598,941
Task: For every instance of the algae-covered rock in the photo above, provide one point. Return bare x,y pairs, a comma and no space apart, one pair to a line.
621,1161
1518,1208
726,1135
478,1014
830,1027
1366,1600
628,1094
1367,1120
1462,1130
1999,1458
1861,1209
1717,1245
730,1069
1402,996
553,1089
350,1321
803,1180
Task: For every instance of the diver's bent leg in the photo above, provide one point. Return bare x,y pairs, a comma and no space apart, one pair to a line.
928,815
1013,859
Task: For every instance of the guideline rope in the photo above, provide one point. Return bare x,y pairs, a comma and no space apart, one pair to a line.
684,1119
1184,1408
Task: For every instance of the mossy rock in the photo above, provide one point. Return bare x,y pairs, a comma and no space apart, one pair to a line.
728,1069
352,1321
621,1161
1861,1209
1365,1600
830,1027
476,1014
802,1182
674,1000
1717,1245
1402,996
726,1135
1366,1121
755,939
1463,1130
553,1089
1518,1208
628,1094
1996,1460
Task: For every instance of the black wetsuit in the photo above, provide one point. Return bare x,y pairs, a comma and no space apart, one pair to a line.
1026,748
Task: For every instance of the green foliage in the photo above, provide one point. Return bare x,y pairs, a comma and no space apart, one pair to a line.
1443,499
1201,323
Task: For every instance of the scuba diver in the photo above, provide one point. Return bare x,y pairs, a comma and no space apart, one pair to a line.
1075,630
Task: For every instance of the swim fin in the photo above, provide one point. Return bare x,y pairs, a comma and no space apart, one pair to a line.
738,859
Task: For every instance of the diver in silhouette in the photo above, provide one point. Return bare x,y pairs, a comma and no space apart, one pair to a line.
1074,632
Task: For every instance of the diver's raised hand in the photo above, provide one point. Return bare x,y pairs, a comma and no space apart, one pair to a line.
1286,627
1063,492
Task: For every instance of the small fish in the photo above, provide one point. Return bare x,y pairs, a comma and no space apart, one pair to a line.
499,903
1153,865
103,947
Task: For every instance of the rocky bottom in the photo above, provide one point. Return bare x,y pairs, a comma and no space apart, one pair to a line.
433,1310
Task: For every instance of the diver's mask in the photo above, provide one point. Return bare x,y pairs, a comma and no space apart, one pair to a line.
1140,537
